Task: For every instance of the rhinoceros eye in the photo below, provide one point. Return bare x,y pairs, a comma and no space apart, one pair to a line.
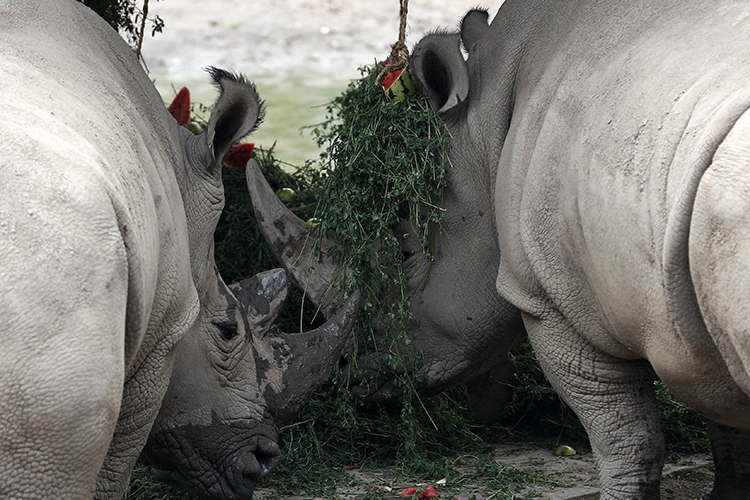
228,331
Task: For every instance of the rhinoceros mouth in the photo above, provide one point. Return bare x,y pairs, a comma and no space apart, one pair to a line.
211,462
371,381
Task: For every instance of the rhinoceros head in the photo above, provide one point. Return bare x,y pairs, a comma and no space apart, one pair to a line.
463,329
232,382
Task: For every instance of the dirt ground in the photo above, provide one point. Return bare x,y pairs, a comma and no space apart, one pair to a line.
564,478
301,53
686,479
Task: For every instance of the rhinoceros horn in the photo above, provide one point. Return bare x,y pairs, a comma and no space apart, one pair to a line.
294,243
298,363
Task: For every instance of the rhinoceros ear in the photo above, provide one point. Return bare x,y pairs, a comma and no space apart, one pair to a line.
237,112
473,27
441,70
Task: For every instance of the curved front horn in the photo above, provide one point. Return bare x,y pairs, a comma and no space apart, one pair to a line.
294,242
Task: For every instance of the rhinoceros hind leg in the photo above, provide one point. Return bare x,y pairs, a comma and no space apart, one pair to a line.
61,341
615,400
731,451
719,258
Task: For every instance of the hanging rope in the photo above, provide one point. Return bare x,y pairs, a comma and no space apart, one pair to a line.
399,57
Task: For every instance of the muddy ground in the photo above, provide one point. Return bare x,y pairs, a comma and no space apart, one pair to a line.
301,53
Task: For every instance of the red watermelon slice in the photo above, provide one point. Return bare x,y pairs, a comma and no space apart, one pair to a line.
180,107
390,78
239,155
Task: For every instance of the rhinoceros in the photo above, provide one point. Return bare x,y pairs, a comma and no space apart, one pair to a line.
116,328
601,181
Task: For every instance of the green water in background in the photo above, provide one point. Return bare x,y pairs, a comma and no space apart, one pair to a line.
293,101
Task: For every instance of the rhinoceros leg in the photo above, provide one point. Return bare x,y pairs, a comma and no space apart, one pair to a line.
141,399
731,451
58,406
614,399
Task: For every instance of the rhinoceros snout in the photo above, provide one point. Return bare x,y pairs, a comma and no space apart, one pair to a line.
371,381
259,463
212,462
244,468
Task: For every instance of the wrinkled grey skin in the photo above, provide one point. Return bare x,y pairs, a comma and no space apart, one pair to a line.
113,318
611,139
617,133
231,386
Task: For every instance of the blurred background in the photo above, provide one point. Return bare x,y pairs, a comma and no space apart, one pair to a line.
300,53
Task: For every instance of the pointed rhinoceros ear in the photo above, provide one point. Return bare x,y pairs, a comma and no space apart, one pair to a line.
237,112
441,70
473,27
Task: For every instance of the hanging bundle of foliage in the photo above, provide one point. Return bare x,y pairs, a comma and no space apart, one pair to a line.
384,162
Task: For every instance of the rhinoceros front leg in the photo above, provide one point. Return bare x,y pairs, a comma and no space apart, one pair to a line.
141,400
61,342
615,401
58,406
731,451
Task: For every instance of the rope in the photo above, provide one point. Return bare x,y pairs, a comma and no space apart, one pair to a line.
399,57
402,25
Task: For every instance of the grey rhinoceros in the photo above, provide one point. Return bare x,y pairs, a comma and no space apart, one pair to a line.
114,322
601,181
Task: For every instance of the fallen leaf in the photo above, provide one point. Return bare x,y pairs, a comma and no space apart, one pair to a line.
376,487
